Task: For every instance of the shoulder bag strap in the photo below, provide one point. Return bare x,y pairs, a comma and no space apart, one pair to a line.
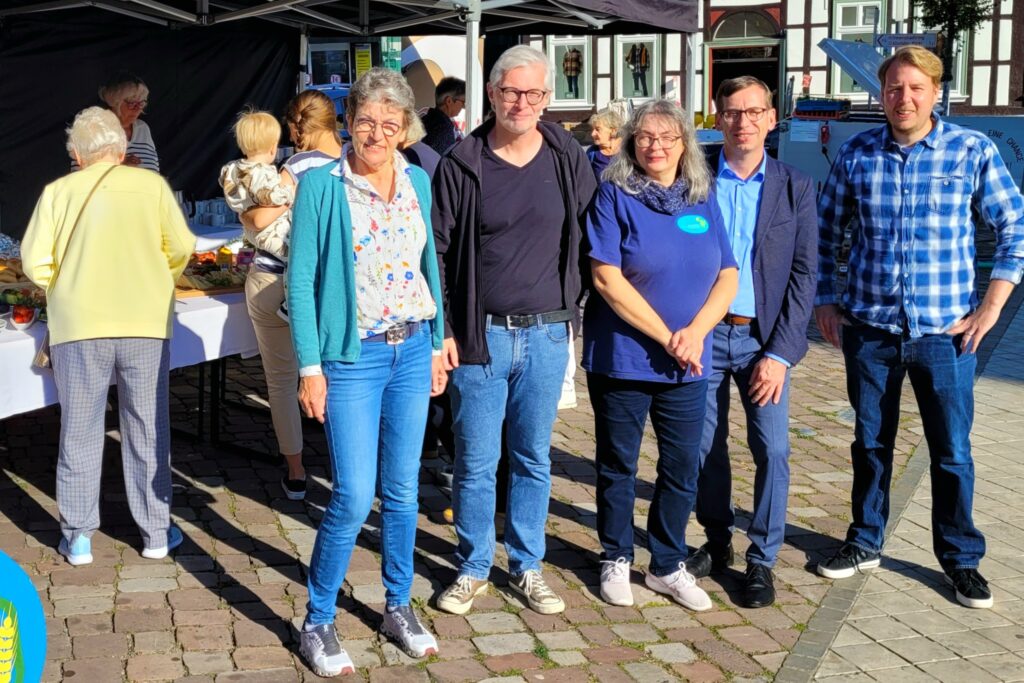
56,265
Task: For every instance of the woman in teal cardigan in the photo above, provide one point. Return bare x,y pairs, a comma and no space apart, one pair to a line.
365,302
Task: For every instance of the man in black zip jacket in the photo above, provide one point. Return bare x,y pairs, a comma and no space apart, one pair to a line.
509,202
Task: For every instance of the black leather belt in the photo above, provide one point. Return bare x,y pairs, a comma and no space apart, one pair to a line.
397,334
515,322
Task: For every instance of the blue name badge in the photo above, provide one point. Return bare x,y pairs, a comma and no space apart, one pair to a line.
692,224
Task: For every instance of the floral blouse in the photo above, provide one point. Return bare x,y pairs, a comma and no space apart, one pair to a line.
388,240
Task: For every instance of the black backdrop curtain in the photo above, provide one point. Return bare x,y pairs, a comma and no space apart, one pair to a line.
52,64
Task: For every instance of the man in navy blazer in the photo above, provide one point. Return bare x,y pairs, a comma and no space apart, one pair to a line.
769,211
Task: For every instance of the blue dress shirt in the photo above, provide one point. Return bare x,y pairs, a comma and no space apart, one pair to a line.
740,200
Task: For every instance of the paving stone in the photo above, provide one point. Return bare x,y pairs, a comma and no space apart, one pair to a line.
1005,666
250,658
114,645
362,653
671,653
567,658
612,655
207,662
507,644
147,585
562,640
457,671
451,627
646,672
153,667
149,642
518,662
146,619
89,624
264,676
871,656
264,632
101,669
495,622
609,673
919,649
728,657
398,674
205,637
749,639
699,672
76,606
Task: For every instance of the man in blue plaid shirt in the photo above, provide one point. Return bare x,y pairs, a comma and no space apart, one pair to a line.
911,193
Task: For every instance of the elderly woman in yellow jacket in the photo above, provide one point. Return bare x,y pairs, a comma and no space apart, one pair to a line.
107,243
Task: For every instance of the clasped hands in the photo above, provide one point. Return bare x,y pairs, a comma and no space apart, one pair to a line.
686,346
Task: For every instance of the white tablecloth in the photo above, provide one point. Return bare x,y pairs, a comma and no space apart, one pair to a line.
211,237
205,328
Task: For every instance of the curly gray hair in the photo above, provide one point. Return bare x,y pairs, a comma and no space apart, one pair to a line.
386,87
96,133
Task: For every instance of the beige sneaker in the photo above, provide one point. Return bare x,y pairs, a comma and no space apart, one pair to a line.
530,584
458,597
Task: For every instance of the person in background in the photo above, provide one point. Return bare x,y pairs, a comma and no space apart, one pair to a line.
770,217
109,232
418,152
449,100
604,131
311,121
915,191
663,276
365,301
255,181
127,96
510,199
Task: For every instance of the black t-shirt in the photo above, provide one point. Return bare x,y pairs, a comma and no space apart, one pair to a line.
521,238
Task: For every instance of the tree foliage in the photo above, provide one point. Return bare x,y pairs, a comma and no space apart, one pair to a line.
953,17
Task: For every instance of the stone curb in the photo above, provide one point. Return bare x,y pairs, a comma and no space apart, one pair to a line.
813,644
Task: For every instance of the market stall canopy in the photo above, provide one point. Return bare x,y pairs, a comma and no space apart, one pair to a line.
400,17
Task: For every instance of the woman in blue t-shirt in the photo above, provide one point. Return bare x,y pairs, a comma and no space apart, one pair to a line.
665,275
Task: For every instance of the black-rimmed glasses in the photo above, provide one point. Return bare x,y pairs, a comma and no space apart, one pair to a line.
512,95
754,114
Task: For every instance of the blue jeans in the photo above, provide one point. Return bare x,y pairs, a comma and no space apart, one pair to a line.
376,411
736,351
943,380
522,382
621,407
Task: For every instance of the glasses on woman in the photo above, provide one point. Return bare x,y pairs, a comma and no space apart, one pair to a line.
367,126
512,95
666,141
754,114
136,104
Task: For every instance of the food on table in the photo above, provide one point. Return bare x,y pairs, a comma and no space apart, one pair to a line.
10,271
29,295
22,314
204,273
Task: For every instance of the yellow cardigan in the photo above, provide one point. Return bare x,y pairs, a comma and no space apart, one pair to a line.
117,278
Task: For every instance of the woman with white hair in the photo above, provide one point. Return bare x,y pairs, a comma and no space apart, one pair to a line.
664,275
604,131
127,96
107,244
364,297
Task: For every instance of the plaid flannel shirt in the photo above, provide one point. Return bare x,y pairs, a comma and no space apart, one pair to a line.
913,216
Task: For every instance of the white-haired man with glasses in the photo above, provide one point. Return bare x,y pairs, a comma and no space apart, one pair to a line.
509,203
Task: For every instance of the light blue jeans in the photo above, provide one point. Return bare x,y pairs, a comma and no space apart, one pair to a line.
521,383
376,411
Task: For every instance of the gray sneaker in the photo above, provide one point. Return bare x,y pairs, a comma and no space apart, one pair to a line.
403,627
541,599
323,652
458,597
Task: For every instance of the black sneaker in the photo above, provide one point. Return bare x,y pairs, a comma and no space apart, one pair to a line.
849,560
709,559
971,588
295,489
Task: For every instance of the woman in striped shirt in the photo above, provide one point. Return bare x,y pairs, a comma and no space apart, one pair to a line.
127,95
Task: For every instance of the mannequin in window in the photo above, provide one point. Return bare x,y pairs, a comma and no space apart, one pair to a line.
572,64
639,61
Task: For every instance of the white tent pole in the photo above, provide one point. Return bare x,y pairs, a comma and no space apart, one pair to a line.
474,74
691,105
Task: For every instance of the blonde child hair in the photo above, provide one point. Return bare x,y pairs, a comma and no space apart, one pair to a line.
257,132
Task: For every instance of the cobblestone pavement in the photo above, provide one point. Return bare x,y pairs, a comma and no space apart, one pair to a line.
226,607
906,625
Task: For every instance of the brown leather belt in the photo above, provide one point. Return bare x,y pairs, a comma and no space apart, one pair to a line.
731,319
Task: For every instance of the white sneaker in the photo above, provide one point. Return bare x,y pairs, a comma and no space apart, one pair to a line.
174,539
322,650
683,588
615,588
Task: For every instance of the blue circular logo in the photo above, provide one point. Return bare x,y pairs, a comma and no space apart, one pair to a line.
694,225
22,627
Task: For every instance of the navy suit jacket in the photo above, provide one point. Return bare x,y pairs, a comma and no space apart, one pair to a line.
785,262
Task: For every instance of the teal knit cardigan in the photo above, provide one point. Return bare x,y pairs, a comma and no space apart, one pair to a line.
321,273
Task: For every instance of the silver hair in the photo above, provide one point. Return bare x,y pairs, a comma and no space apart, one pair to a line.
520,56
692,165
95,133
386,87
609,118
415,131
121,87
